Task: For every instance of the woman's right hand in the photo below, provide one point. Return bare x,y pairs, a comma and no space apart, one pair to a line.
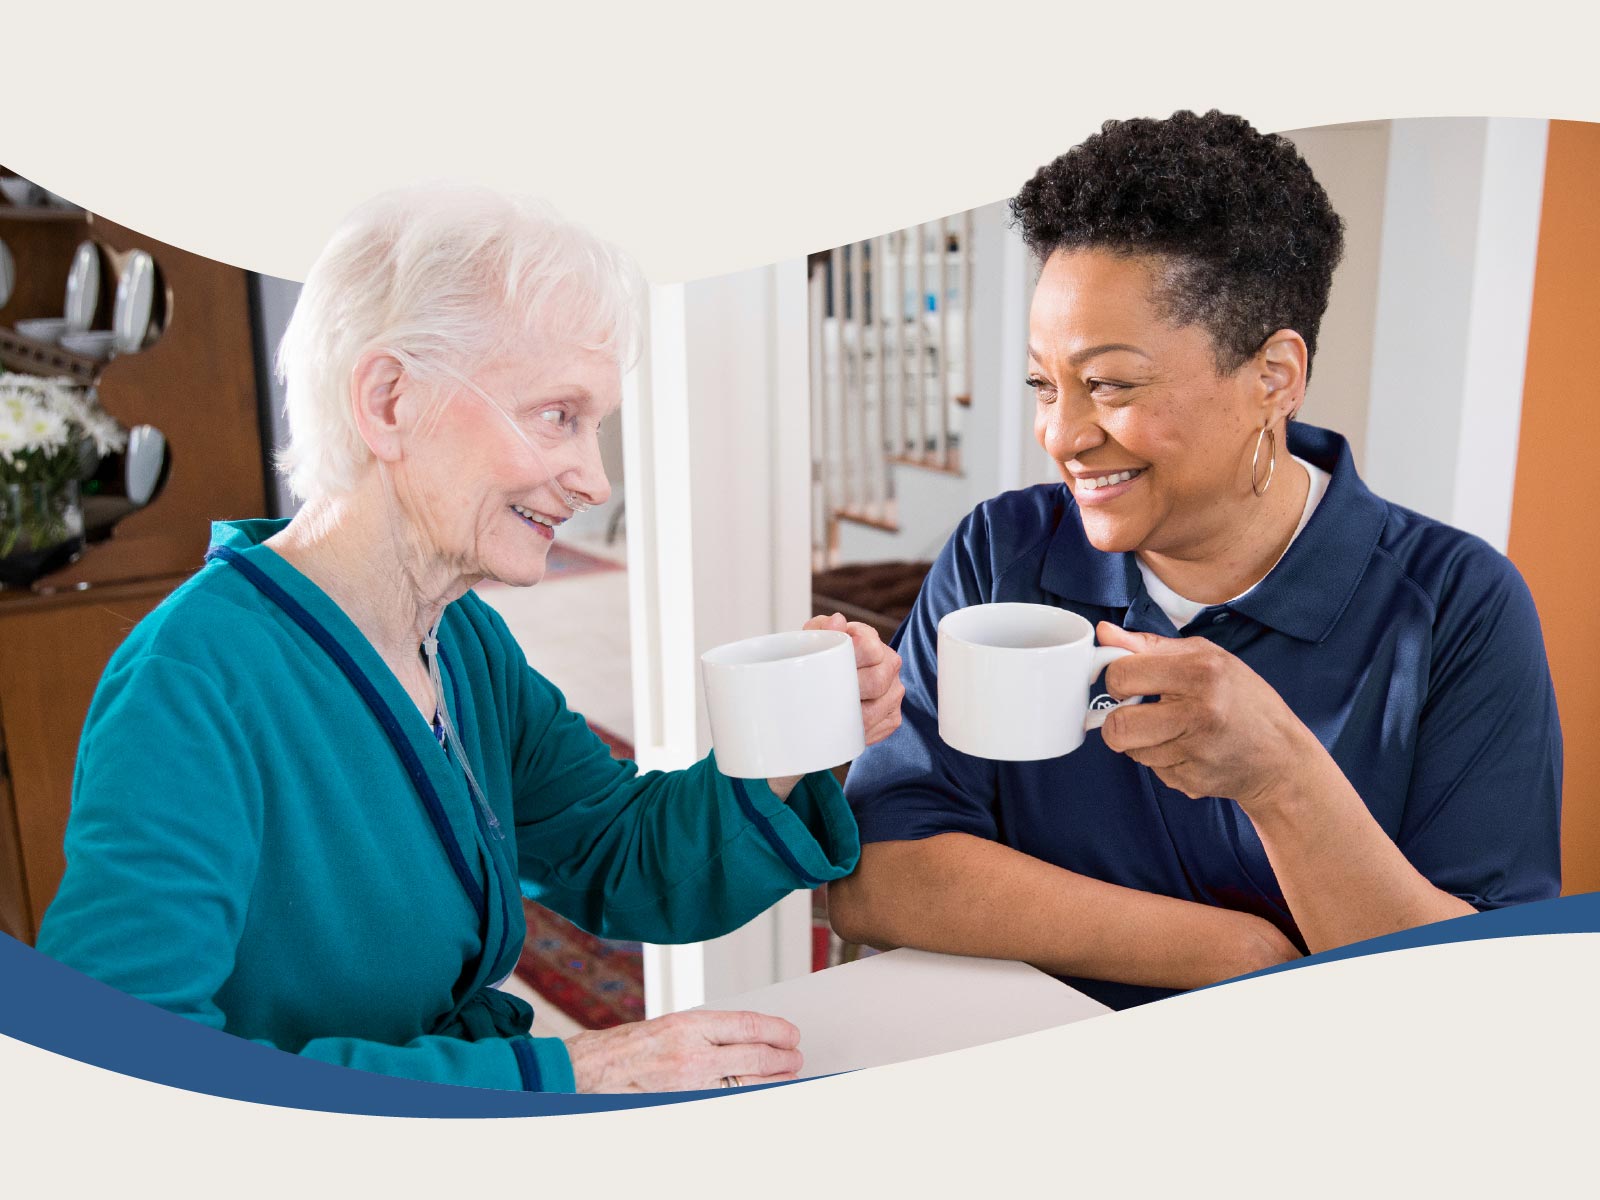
686,1051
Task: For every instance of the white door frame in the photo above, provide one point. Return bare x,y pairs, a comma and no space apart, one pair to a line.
740,386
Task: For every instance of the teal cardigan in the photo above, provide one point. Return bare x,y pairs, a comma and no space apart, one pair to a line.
247,848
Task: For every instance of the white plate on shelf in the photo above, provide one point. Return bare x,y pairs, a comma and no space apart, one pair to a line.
136,293
147,454
8,274
43,329
83,287
97,344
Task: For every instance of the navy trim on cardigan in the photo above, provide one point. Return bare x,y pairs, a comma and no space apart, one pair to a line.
527,1065
384,714
771,834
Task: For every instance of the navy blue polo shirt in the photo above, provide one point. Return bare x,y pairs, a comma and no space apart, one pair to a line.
1411,649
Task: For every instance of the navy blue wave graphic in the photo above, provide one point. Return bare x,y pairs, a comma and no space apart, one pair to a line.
1565,914
60,1010
65,1012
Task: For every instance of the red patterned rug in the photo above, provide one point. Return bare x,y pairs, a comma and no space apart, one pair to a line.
597,983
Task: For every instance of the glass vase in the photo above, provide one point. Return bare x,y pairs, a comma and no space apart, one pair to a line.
41,530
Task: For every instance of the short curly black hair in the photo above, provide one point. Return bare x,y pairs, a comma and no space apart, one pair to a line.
1248,238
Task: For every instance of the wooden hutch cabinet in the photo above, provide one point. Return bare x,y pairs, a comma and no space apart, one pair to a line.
197,384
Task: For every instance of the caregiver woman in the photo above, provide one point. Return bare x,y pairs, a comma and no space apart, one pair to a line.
313,783
1355,730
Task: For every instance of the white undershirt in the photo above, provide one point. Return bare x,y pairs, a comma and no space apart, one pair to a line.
1181,610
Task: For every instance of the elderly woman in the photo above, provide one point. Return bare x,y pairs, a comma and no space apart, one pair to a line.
1353,729
314,784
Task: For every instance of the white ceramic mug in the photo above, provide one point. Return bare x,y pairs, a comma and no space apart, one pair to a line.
784,704
1014,681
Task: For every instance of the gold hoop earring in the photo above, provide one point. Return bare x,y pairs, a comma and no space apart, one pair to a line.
1255,461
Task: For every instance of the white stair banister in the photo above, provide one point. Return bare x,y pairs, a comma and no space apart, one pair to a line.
838,453
967,252
866,500
943,358
880,282
921,327
902,425
821,487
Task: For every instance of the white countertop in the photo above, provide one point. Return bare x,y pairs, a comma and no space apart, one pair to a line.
906,1004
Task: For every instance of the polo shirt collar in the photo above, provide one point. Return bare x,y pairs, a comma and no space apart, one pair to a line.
1303,596
1075,570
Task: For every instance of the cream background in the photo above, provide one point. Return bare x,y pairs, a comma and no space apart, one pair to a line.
705,137
1460,1069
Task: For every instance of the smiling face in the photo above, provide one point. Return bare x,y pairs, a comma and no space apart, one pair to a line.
487,501
1154,442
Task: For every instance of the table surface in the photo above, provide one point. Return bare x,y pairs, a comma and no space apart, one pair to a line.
906,1004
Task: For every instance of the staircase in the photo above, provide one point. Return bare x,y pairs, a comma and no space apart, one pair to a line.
891,380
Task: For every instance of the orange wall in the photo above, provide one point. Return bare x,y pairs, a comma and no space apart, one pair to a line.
1556,503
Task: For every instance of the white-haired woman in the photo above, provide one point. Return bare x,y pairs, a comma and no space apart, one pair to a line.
314,782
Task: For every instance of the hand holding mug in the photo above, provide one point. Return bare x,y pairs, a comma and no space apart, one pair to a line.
787,704
1219,729
877,675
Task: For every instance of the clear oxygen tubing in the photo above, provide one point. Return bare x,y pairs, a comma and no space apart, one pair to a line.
430,644
569,431
430,650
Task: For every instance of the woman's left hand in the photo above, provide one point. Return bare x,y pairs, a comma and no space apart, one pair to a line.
1218,729
877,673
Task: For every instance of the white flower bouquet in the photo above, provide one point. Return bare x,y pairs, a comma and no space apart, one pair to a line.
53,434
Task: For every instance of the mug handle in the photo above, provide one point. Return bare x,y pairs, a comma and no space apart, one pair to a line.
1102,706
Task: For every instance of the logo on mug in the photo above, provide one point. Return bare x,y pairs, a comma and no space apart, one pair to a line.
1103,703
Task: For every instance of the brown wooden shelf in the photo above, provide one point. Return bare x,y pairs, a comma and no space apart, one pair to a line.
11,212
21,599
20,353
197,384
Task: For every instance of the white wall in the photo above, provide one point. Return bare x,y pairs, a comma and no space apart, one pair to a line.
1460,236
1351,162
749,462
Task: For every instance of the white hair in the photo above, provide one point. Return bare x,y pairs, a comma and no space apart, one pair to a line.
444,275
